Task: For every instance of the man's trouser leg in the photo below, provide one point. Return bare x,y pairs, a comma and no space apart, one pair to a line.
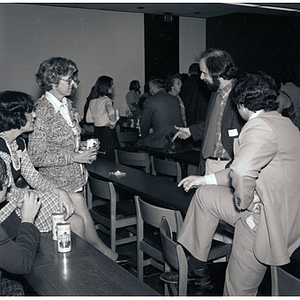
209,204
244,272
212,166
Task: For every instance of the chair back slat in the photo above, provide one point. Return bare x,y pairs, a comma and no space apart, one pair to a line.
101,189
137,159
128,137
152,215
166,167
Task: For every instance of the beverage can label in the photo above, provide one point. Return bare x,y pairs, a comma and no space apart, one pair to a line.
63,237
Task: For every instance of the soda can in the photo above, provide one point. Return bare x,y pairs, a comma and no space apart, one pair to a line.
57,217
63,237
91,143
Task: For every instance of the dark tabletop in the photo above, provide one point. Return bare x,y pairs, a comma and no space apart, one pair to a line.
82,272
158,190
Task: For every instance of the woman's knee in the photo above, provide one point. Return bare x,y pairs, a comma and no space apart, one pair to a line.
77,223
77,197
79,202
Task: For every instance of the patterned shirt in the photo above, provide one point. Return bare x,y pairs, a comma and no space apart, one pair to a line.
43,186
219,150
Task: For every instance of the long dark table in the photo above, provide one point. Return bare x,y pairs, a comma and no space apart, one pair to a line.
151,188
159,190
82,272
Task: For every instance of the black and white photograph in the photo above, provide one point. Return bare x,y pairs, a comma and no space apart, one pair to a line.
149,148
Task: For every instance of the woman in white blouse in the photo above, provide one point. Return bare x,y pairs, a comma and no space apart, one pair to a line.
101,112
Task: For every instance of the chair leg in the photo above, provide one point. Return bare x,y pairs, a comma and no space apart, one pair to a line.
140,264
113,236
166,289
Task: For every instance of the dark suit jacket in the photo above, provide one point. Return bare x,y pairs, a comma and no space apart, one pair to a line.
232,124
18,257
161,112
195,96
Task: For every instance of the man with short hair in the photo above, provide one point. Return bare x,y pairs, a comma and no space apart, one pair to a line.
160,114
258,194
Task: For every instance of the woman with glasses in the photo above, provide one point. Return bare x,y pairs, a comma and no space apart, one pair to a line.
54,144
55,147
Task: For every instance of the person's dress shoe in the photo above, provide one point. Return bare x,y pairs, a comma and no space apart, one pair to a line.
123,260
201,278
172,277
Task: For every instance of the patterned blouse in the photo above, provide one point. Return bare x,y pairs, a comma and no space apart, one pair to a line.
18,163
52,143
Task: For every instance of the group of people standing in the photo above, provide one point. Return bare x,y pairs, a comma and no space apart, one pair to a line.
250,160
247,176
172,102
248,172
52,163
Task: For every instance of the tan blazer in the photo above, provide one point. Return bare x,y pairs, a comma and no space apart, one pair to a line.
267,160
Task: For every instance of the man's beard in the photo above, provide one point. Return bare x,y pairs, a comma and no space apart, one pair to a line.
214,86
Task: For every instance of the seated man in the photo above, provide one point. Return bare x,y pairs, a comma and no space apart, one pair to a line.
160,114
18,257
258,194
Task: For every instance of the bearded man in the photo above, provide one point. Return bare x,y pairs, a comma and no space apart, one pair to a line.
223,122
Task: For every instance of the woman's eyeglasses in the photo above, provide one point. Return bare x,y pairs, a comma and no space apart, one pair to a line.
69,81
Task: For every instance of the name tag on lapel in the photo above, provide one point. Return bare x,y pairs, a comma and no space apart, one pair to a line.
233,132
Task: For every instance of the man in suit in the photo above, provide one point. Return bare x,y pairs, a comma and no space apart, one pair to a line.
223,122
195,95
17,257
160,114
258,194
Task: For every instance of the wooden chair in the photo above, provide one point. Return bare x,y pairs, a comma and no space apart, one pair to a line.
284,283
174,257
166,167
150,214
134,159
109,213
